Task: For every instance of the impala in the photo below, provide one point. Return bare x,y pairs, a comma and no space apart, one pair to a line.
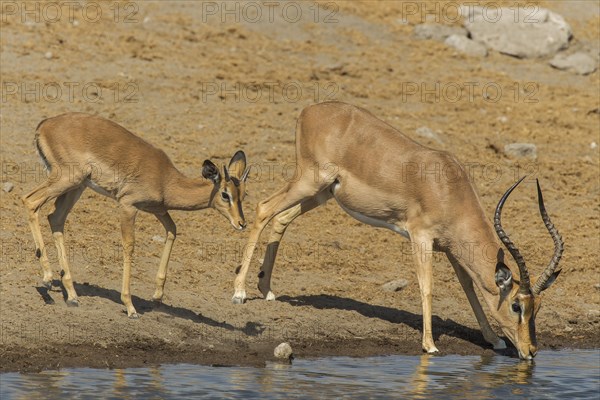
82,150
385,179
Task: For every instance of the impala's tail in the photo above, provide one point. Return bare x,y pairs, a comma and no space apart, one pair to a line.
38,149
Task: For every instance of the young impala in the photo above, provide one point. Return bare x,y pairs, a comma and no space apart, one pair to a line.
385,179
83,150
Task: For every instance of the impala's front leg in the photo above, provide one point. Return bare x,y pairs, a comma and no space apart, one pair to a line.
423,258
467,283
128,215
161,275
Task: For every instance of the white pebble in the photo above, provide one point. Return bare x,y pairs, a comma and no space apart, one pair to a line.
48,55
8,187
593,145
283,351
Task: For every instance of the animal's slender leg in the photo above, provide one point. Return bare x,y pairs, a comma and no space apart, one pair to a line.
423,260
287,197
161,275
128,214
467,284
63,205
33,202
280,223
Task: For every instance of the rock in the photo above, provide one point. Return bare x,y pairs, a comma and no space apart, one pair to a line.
437,32
466,45
158,238
283,351
597,286
593,145
8,187
427,133
520,150
580,63
395,286
48,55
518,32
593,315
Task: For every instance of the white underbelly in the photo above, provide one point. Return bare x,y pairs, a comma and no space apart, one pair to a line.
370,220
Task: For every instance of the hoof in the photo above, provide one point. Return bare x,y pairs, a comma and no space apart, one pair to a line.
47,285
239,297
270,296
431,350
134,316
73,303
500,345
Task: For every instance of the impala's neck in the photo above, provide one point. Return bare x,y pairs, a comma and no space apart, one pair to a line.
183,193
476,247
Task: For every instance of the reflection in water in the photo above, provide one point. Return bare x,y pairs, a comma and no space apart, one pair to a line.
565,374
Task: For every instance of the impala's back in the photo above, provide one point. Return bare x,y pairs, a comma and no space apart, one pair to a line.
382,172
102,155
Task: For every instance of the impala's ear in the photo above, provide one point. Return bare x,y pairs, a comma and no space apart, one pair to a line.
210,171
503,279
237,165
550,280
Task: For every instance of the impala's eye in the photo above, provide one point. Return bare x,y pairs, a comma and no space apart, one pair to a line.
225,196
516,308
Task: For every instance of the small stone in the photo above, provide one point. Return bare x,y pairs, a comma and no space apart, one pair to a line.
437,31
283,351
580,63
158,238
521,150
503,119
593,145
395,286
597,286
8,187
466,45
427,133
48,55
593,314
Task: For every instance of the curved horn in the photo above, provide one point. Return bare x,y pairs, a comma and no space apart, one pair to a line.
524,284
558,246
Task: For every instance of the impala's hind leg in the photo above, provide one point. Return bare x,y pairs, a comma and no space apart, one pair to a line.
63,205
280,224
292,194
33,202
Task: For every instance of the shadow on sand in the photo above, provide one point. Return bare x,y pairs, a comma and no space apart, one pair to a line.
393,315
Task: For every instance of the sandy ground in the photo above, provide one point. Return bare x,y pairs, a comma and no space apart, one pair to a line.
199,88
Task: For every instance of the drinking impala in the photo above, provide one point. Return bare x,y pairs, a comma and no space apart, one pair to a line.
84,151
369,182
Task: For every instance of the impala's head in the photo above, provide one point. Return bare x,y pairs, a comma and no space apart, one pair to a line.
230,188
520,300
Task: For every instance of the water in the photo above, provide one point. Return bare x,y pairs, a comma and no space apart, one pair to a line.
567,374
